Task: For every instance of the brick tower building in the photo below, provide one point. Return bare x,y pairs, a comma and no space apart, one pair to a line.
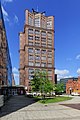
36,46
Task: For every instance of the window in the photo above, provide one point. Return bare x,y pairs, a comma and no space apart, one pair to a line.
37,51
30,31
43,34
43,57
37,38
43,45
43,51
49,45
31,63
37,32
50,42
37,64
43,64
30,50
50,59
37,22
37,44
30,37
49,65
43,39
30,20
49,52
43,24
31,57
37,57
31,71
49,35
49,71
30,43
49,24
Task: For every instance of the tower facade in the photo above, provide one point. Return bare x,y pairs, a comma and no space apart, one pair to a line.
36,46
5,61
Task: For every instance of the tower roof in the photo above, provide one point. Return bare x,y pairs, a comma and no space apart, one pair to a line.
1,16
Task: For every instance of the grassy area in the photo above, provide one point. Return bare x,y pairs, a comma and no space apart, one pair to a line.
55,99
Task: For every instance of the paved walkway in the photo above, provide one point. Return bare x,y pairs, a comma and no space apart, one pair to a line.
23,108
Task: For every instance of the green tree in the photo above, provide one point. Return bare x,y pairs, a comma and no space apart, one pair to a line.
35,82
41,83
59,88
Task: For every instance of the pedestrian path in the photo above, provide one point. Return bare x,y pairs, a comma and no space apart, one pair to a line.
23,108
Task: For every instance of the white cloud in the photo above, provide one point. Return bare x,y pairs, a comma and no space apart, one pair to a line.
62,74
78,57
15,70
7,1
16,77
61,77
16,19
78,71
5,14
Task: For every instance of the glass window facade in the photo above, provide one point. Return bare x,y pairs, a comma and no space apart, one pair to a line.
5,60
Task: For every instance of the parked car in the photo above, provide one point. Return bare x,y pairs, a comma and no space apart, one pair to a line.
75,94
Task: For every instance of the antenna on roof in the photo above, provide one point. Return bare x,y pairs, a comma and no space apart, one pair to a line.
35,12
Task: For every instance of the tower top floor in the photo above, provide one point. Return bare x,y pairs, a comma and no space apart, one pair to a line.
38,19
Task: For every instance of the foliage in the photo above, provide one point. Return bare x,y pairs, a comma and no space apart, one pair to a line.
59,88
35,82
55,99
41,83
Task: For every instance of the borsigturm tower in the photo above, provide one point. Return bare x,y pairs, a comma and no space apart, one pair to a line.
5,61
36,46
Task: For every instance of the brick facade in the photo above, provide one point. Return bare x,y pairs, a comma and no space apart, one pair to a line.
36,46
73,86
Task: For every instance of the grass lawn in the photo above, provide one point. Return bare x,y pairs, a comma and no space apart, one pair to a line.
55,99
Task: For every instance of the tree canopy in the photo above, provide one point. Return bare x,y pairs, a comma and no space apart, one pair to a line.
41,83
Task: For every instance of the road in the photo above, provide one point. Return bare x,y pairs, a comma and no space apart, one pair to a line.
23,108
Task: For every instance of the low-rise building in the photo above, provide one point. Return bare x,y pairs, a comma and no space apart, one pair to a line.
73,86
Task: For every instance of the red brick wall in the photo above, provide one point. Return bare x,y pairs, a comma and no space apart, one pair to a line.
73,86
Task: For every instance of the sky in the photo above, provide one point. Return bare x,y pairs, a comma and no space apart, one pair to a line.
67,32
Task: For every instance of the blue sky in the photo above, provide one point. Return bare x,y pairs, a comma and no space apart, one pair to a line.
67,31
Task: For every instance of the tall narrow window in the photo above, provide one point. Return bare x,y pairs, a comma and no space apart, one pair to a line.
49,24
30,19
37,22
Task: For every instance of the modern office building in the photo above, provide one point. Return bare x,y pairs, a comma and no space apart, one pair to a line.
5,61
36,46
